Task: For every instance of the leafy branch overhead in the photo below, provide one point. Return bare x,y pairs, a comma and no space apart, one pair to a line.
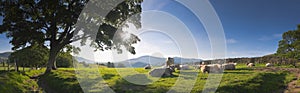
61,22
289,46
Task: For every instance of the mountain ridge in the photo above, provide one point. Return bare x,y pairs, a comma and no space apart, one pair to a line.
155,61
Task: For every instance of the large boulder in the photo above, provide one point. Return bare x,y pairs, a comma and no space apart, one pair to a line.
250,64
197,66
147,67
228,66
161,72
212,68
177,66
170,61
269,65
184,67
204,68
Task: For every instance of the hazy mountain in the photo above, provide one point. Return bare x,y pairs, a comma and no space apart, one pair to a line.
5,54
155,61
135,62
81,59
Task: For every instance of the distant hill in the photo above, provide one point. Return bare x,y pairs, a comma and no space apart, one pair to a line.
5,54
155,61
135,62
81,59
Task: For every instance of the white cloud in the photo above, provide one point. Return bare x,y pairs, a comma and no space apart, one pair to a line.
271,37
277,35
231,41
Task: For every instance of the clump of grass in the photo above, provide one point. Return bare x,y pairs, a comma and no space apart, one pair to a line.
15,82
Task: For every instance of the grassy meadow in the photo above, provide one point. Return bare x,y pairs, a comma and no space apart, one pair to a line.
241,80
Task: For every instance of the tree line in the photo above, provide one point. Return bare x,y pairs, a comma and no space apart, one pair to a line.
36,56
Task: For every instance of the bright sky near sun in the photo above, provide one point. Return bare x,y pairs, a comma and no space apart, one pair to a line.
252,28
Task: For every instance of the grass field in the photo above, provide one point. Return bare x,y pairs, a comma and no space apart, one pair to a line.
241,80
15,82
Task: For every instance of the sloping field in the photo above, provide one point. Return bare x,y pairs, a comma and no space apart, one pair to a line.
241,80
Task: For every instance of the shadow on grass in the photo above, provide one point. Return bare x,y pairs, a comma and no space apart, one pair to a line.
123,86
172,76
236,72
108,76
244,68
261,83
3,71
54,83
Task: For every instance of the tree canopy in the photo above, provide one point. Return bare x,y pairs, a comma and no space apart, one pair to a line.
37,56
289,46
64,59
53,21
31,56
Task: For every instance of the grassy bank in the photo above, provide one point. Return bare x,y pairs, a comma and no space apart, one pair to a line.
16,82
242,79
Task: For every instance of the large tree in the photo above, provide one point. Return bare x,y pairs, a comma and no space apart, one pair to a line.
289,46
53,21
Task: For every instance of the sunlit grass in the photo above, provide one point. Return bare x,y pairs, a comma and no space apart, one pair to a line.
64,79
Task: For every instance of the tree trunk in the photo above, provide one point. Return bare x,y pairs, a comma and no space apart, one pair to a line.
8,65
51,65
16,66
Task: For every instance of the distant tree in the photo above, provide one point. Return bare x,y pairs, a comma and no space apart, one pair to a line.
120,65
289,46
110,65
53,21
64,59
31,56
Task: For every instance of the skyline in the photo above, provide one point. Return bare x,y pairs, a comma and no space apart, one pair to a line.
252,27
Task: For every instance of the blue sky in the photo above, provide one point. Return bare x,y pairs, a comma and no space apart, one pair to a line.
252,27
256,25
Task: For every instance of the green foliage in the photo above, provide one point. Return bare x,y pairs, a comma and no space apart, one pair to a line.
110,65
289,46
32,56
37,56
64,59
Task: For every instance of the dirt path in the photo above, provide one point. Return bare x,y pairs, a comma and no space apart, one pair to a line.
292,87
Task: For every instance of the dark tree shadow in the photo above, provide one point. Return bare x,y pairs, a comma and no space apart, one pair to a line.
108,76
236,72
53,83
124,86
